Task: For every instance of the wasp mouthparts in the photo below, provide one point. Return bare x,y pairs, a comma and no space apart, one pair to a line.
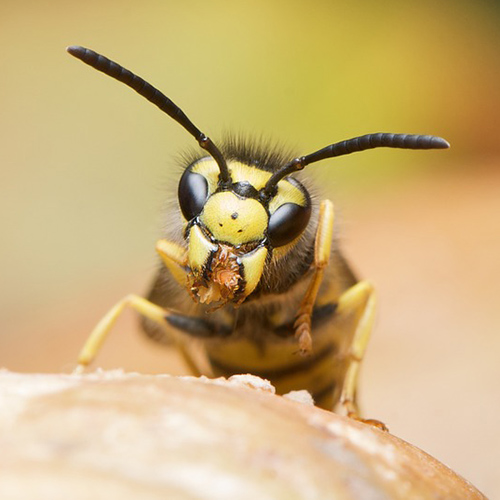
222,279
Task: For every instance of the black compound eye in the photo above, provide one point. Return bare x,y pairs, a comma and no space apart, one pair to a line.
192,193
288,222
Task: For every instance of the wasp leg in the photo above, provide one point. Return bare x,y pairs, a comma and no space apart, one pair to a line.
175,265
357,306
322,246
151,311
175,259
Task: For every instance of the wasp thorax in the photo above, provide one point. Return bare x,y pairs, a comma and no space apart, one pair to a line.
233,219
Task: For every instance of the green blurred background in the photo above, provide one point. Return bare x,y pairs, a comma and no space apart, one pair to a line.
85,164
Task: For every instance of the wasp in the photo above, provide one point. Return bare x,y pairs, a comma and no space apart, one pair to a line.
250,265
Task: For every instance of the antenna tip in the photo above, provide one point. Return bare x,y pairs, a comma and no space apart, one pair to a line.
76,50
440,143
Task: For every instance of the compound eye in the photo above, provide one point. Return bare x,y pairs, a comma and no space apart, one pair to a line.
192,193
287,223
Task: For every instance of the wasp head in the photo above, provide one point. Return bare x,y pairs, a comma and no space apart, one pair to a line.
232,230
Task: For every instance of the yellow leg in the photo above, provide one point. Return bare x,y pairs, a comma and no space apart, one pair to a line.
358,305
175,259
322,246
144,307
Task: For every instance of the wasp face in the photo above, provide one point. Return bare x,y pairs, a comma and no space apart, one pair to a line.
231,229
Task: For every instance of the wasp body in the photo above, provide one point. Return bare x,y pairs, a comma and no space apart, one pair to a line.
249,269
254,275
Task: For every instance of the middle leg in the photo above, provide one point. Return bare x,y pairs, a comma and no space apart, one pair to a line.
322,248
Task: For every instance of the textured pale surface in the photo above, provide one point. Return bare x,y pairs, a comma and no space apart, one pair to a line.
114,435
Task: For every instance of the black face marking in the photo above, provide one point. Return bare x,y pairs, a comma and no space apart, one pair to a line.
244,189
287,223
192,193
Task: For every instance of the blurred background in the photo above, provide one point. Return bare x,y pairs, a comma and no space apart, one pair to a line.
85,165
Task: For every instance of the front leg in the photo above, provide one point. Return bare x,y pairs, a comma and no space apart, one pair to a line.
322,248
157,314
174,258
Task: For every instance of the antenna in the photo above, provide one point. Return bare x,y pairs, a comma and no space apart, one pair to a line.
368,141
145,89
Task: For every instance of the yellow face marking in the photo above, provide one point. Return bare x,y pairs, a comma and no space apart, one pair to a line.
287,192
253,266
234,220
199,249
241,172
210,170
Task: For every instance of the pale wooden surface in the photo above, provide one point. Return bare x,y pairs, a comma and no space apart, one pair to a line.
129,436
